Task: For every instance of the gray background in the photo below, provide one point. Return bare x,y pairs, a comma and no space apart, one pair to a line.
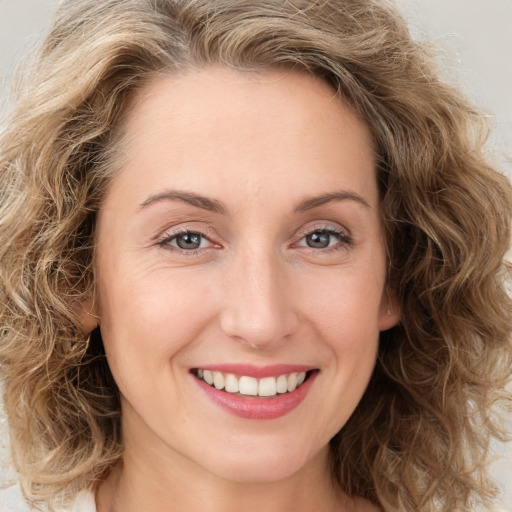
476,41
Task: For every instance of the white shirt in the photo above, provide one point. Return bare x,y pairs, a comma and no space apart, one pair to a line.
11,500
84,502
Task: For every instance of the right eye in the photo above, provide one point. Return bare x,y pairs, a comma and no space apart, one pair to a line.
186,241
321,239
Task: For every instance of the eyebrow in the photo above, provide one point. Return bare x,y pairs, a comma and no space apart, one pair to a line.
341,195
216,206
199,201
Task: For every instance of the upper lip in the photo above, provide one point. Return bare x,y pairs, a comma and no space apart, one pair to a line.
257,372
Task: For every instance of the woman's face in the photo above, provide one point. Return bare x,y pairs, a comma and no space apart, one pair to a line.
241,241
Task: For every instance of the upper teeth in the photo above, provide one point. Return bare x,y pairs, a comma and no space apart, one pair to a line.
267,386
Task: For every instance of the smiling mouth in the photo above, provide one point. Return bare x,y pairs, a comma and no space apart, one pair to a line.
243,385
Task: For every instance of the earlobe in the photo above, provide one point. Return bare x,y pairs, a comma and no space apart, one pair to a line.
389,314
88,317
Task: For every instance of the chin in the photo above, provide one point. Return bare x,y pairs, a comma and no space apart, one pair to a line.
262,463
254,472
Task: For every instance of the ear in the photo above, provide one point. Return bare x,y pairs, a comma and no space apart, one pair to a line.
389,311
88,315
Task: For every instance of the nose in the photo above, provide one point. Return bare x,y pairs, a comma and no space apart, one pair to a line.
258,308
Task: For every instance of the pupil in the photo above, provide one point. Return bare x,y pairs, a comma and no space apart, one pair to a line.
189,241
318,240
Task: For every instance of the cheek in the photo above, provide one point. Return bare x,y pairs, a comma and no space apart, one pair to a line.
344,312
146,320
348,300
348,324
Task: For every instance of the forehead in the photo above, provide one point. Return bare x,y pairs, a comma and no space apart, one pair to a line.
220,95
218,124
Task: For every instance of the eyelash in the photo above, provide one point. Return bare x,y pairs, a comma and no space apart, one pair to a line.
344,240
165,241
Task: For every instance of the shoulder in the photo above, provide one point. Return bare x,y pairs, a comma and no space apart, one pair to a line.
11,500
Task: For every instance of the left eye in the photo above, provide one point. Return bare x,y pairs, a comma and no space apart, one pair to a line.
321,239
187,241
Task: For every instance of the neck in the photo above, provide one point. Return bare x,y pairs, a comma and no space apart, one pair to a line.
134,485
157,477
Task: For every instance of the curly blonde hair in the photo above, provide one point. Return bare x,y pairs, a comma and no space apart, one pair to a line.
419,437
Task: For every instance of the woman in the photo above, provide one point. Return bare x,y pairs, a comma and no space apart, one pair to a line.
252,258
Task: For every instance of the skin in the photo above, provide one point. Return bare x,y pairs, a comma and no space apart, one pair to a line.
254,292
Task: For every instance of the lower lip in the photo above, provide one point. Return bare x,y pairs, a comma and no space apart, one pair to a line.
258,408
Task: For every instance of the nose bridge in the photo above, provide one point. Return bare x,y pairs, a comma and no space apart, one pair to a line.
258,309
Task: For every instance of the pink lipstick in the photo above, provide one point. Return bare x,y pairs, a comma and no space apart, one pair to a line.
253,392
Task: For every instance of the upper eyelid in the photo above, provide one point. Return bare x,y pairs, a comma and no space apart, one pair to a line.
171,232
168,236
208,232
324,226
